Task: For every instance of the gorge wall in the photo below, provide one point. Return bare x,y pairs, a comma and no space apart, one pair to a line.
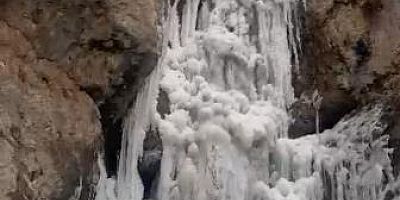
70,69
68,72
351,54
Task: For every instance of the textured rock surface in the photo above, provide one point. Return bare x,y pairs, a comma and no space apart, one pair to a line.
48,126
67,69
70,68
351,55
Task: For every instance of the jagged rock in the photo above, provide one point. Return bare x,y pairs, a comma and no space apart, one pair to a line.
71,67
68,69
49,127
345,55
351,55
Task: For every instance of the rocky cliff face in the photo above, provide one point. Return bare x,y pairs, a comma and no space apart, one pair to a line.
351,54
68,69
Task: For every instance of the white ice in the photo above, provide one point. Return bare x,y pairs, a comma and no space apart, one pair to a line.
227,71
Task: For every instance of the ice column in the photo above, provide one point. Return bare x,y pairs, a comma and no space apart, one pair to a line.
228,96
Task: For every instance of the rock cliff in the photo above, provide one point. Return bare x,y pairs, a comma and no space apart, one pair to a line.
351,54
70,70
68,73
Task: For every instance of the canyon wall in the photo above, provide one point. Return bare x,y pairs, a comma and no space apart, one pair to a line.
69,70
351,55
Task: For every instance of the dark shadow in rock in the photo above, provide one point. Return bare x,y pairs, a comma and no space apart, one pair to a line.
395,144
362,51
149,165
116,105
163,104
394,140
332,110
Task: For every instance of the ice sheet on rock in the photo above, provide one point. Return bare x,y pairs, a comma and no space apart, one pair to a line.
128,184
351,159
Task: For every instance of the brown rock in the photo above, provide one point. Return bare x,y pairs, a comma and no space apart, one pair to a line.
48,127
351,53
68,69
351,56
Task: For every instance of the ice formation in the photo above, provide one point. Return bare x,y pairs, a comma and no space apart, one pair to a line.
226,66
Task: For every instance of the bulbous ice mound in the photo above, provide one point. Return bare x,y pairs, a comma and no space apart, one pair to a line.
227,73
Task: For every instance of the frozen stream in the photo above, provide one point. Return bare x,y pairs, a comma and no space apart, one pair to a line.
226,67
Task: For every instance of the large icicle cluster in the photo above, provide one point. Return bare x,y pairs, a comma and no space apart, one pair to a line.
350,160
228,79
229,83
226,68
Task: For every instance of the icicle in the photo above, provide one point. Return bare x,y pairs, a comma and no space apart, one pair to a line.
232,134
228,81
204,16
189,20
105,187
129,185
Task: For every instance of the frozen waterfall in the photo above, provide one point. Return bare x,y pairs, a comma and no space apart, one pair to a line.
226,67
